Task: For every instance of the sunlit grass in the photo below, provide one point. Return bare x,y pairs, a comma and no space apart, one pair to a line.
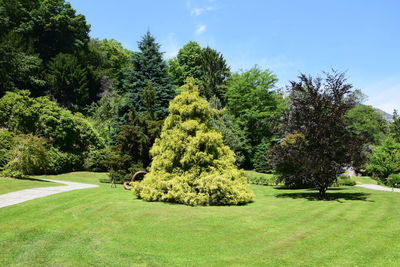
107,226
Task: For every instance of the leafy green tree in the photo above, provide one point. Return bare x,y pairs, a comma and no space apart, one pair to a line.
256,106
191,165
67,81
234,137
395,126
42,117
324,146
103,114
52,25
20,67
384,159
148,66
365,121
188,63
207,66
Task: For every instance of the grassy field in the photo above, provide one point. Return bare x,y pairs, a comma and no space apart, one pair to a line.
108,227
364,180
8,185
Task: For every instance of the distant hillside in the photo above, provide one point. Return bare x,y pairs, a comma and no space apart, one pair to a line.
385,115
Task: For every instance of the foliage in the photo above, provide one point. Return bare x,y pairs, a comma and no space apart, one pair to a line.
132,150
109,58
367,122
97,160
103,114
260,159
61,162
22,114
261,178
28,156
191,165
393,180
288,158
233,136
67,81
320,145
207,66
7,140
148,66
53,26
257,108
20,67
384,160
345,181
187,64
395,126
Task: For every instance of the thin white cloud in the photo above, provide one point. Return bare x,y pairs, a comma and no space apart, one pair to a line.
201,29
171,46
200,10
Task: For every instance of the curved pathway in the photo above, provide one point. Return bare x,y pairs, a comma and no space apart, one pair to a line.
33,193
379,187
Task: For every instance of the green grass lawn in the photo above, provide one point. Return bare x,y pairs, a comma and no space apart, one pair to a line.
364,180
8,185
108,227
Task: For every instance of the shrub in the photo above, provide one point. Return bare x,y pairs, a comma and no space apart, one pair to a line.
97,160
61,162
345,181
6,143
384,160
393,180
40,116
261,178
28,156
191,165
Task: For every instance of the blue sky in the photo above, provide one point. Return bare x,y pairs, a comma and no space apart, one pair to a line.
288,37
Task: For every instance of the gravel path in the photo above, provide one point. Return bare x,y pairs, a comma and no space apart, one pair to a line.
33,193
379,187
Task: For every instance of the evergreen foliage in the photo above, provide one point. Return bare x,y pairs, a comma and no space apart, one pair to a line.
191,165
395,127
148,66
132,151
67,81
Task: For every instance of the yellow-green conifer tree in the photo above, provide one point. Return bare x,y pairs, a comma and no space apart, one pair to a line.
191,165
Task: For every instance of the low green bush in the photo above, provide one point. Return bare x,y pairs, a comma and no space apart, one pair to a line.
6,143
97,160
28,156
344,180
61,162
394,180
261,178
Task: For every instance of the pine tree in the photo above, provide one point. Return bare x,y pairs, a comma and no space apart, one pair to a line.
148,66
191,165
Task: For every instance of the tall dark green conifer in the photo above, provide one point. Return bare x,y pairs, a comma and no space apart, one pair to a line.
148,66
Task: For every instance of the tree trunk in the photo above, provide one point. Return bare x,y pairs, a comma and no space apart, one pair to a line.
322,192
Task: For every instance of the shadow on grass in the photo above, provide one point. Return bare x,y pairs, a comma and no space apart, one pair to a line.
31,179
329,196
